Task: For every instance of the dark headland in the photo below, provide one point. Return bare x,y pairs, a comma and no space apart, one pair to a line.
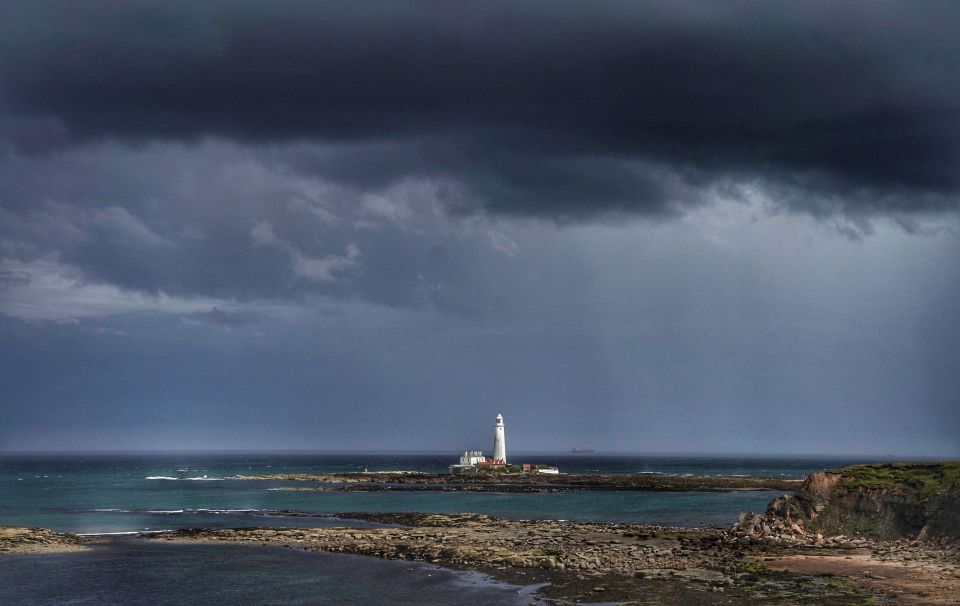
858,535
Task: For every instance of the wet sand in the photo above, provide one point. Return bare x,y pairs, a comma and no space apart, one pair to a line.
912,582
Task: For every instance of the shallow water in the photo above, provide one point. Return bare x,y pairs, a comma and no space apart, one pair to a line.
154,574
94,494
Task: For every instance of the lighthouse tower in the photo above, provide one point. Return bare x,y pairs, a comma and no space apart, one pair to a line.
499,442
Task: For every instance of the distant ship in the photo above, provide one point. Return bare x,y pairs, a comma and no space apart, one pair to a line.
581,450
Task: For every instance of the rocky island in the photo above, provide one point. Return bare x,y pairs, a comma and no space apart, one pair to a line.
522,482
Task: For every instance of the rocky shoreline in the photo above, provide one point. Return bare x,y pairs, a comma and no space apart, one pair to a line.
602,562
16,539
524,482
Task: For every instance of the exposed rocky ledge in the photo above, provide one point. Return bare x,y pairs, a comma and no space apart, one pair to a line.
499,482
605,562
916,501
596,562
16,539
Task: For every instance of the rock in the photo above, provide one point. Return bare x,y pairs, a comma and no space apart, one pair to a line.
918,501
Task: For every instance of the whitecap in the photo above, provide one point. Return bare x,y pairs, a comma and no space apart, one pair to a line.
219,511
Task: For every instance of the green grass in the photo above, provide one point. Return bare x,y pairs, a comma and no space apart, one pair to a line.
926,478
751,567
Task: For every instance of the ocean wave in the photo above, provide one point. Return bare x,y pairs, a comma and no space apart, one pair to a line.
214,511
195,479
200,510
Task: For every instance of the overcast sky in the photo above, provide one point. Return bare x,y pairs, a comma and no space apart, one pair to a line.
661,226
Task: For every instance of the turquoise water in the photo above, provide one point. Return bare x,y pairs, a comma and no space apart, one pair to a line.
123,494
96,494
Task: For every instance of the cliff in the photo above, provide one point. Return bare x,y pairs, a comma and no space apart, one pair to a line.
892,501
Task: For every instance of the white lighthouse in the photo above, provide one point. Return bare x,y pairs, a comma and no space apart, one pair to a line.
499,442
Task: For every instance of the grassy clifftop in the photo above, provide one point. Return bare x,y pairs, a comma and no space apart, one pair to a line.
886,501
926,478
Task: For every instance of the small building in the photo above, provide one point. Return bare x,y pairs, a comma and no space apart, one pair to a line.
530,468
468,461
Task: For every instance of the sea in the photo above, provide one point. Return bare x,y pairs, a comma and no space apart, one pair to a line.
121,496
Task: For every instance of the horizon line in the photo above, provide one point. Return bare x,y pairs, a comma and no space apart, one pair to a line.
359,451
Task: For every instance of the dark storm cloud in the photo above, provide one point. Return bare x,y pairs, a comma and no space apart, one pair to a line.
230,225
552,109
